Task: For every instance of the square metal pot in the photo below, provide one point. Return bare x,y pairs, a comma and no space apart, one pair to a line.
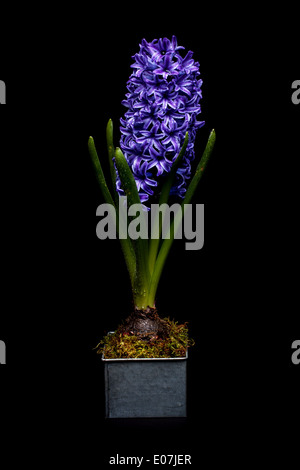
145,388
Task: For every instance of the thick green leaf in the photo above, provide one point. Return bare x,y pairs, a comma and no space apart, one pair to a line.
127,179
142,278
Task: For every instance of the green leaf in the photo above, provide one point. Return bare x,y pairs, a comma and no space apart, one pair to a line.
200,168
126,244
111,154
99,172
141,285
167,243
127,179
164,196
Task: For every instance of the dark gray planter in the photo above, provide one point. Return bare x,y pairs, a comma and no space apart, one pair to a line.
145,388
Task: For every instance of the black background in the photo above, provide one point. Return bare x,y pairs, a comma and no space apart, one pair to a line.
62,288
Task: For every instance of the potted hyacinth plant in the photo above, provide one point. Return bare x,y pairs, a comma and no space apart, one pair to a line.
151,165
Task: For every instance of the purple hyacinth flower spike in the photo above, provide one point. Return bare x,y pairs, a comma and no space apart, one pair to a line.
163,102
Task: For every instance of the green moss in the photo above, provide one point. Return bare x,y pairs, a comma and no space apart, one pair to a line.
120,345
